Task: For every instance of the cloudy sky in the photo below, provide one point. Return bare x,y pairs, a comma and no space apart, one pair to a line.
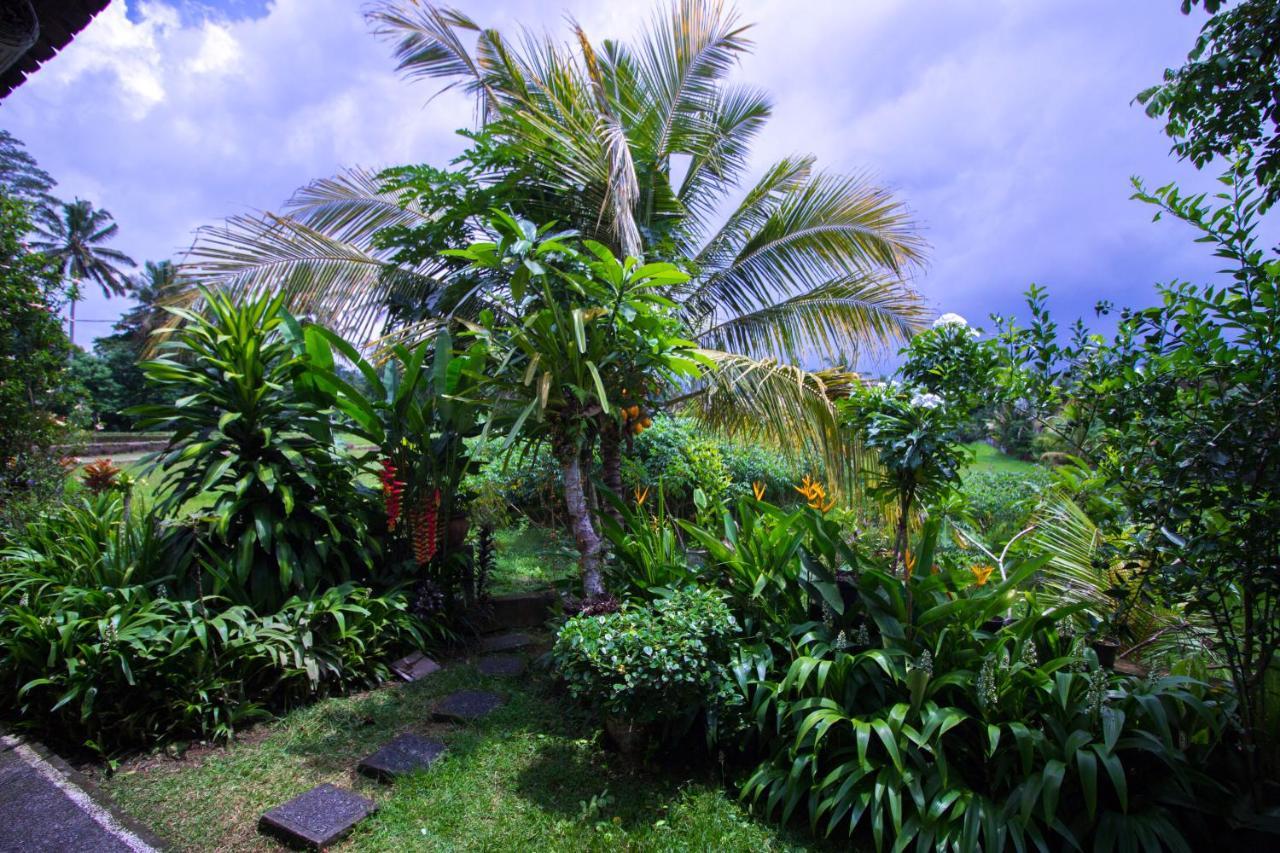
1007,126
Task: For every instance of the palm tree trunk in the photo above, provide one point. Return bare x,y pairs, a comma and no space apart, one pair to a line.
584,531
71,326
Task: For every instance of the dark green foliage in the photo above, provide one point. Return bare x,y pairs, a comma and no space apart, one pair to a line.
676,454
658,663
647,554
285,509
104,642
1179,414
21,177
33,359
1226,100
678,457
909,722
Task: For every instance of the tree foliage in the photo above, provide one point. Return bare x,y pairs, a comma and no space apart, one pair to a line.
1225,101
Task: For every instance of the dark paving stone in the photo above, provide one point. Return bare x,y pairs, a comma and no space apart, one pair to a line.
47,807
505,642
317,818
408,753
415,666
508,666
527,610
466,706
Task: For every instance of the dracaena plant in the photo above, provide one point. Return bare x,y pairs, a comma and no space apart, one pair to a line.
580,336
257,452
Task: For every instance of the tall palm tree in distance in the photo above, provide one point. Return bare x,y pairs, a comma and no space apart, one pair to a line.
156,286
73,237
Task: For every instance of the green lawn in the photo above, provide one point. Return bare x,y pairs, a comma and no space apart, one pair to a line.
531,558
533,776
987,458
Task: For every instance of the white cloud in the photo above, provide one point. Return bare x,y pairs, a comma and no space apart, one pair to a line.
1006,126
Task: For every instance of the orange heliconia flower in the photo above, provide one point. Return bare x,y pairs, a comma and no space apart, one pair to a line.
641,494
815,494
909,560
757,489
981,574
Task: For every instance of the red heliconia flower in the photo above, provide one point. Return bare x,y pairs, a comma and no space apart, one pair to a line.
426,528
392,489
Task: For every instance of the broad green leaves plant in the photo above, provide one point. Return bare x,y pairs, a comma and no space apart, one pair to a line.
938,730
254,452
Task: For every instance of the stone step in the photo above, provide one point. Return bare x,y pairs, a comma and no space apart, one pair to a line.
522,610
504,666
505,642
466,706
414,667
317,818
408,753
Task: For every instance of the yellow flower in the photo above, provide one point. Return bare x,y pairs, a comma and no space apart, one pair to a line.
758,489
815,494
981,574
642,495
910,560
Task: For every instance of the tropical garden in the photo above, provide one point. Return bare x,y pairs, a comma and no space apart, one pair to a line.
1020,594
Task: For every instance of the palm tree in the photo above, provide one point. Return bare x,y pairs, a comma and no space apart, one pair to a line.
808,265
154,288
74,241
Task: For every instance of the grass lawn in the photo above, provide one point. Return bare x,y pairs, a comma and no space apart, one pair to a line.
532,776
987,458
531,558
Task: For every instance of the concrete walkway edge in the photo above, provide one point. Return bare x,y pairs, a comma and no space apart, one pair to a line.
103,821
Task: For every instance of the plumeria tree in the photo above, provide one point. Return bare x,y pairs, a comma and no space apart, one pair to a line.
585,342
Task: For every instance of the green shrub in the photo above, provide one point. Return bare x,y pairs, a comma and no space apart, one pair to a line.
97,649
250,441
914,720
1001,502
673,454
647,554
658,663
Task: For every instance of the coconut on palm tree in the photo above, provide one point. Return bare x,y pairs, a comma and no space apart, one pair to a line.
73,238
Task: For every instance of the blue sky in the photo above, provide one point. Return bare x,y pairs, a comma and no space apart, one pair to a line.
1007,126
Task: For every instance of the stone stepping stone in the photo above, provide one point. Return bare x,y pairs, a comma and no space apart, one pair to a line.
406,754
505,642
317,818
466,706
414,667
505,666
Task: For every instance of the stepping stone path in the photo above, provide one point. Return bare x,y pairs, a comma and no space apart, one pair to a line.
325,814
317,818
408,753
414,667
466,706
507,666
505,642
